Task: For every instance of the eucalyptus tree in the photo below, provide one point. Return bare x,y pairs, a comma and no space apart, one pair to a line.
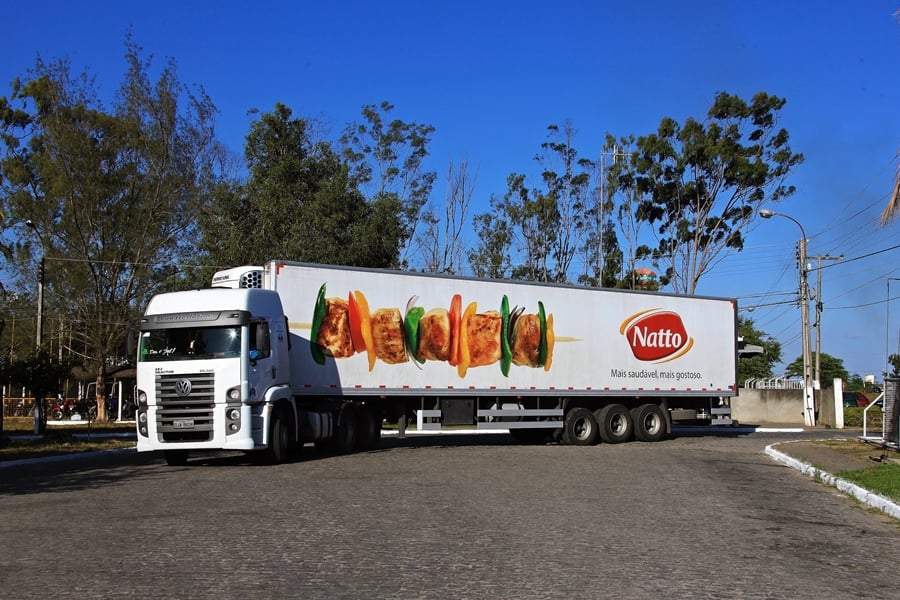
541,228
699,184
622,219
387,158
491,257
110,196
567,178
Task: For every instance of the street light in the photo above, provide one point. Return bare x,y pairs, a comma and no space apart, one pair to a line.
39,328
809,409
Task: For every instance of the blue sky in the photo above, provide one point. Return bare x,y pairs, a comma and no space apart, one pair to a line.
491,76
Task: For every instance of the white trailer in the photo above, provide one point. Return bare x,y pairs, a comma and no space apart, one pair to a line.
292,353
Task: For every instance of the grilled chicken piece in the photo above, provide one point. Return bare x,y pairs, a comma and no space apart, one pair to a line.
387,335
334,334
483,334
526,341
434,335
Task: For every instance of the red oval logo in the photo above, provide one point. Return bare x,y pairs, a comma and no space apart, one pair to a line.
655,335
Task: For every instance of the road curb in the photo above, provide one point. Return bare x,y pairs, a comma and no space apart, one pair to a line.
872,499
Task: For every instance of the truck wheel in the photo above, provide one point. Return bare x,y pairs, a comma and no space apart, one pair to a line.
649,423
368,433
279,438
343,440
616,425
579,428
176,458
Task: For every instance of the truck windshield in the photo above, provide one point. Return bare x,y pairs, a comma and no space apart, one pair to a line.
190,343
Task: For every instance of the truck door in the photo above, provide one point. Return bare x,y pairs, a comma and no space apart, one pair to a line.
263,367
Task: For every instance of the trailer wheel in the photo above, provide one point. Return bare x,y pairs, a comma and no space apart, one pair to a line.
279,438
649,423
616,425
579,428
368,433
176,458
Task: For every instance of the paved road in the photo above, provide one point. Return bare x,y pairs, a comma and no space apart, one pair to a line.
449,517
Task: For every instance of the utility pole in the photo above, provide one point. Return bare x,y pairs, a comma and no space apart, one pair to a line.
40,417
809,416
809,405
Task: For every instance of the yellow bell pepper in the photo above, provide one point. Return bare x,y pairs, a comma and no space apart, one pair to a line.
465,357
365,326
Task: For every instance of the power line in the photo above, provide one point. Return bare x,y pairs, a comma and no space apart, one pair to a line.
848,260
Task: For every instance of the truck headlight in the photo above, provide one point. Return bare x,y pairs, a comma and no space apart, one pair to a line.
142,422
232,417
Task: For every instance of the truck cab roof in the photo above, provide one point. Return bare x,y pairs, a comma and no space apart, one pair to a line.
258,302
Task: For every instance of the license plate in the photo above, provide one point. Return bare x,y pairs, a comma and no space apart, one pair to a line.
183,424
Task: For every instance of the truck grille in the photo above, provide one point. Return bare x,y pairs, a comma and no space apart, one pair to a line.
185,407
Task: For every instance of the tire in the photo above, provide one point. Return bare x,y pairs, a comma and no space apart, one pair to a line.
615,424
530,436
279,438
649,423
176,458
344,439
56,414
579,428
368,433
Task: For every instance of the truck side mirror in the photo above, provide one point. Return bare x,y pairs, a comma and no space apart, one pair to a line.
130,343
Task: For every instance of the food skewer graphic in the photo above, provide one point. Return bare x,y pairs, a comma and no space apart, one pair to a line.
462,338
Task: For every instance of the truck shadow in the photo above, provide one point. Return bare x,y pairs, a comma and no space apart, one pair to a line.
75,473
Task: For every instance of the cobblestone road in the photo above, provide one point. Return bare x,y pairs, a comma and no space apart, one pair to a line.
449,517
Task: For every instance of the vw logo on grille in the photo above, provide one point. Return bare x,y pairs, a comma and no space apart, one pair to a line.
183,387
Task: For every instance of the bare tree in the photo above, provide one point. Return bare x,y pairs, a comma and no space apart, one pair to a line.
441,242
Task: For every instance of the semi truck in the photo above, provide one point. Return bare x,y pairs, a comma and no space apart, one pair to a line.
269,359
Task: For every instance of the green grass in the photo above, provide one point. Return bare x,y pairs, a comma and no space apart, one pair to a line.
60,439
853,417
883,480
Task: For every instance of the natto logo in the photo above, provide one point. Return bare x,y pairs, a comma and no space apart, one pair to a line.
656,335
